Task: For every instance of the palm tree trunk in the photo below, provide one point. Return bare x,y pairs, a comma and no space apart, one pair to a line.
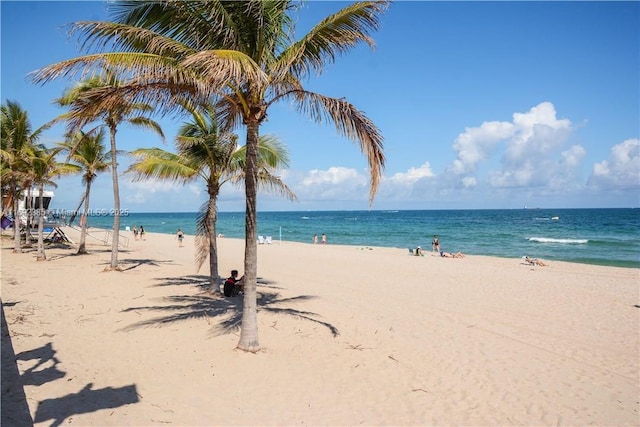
28,217
82,248
41,255
75,213
212,216
249,328
116,200
17,244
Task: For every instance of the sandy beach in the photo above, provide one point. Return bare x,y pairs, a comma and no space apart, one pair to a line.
350,336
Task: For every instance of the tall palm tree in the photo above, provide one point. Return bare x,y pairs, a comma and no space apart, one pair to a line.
81,99
43,168
88,151
242,54
17,141
205,152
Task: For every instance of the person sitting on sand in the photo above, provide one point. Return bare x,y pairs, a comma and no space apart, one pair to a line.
451,255
533,261
233,286
419,251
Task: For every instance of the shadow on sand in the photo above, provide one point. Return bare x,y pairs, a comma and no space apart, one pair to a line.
44,369
15,411
207,305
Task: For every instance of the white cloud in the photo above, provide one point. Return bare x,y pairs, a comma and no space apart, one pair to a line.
477,144
469,182
334,175
526,148
141,190
412,175
573,156
621,170
335,183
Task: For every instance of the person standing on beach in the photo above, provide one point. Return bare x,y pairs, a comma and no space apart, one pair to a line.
142,233
324,239
315,239
435,244
180,237
135,233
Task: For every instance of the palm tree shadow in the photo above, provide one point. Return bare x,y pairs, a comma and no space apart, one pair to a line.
131,263
198,280
208,306
86,400
270,301
44,369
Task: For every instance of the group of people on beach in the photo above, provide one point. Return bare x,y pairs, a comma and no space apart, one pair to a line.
323,239
138,233
435,248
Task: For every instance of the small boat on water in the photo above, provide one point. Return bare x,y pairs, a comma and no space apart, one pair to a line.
555,218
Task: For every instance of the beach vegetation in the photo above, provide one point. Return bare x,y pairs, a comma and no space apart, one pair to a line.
206,152
85,107
18,141
88,151
43,167
244,57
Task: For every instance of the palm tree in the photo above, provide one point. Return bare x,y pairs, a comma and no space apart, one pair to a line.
81,99
205,152
88,151
18,139
43,168
242,54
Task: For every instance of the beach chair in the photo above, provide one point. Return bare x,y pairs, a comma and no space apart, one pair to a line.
261,240
411,251
268,240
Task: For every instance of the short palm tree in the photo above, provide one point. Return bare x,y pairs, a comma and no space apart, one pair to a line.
89,153
43,168
242,54
205,152
81,100
18,140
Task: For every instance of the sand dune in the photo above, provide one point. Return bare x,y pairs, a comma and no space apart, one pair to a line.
350,336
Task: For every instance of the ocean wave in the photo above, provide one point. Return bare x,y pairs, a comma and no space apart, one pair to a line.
551,240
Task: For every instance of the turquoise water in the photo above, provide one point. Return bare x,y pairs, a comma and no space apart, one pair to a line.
592,236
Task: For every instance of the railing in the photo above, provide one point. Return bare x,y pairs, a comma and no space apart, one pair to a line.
122,240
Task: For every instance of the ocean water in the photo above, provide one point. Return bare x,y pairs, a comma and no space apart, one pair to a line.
591,236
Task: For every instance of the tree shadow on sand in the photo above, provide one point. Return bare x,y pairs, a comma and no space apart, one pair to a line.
202,282
44,369
15,410
86,400
210,305
131,263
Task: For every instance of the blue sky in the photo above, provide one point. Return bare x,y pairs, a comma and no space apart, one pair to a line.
482,105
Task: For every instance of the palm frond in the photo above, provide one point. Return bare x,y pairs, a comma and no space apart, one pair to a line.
350,122
160,164
333,36
203,232
221,68
101,35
